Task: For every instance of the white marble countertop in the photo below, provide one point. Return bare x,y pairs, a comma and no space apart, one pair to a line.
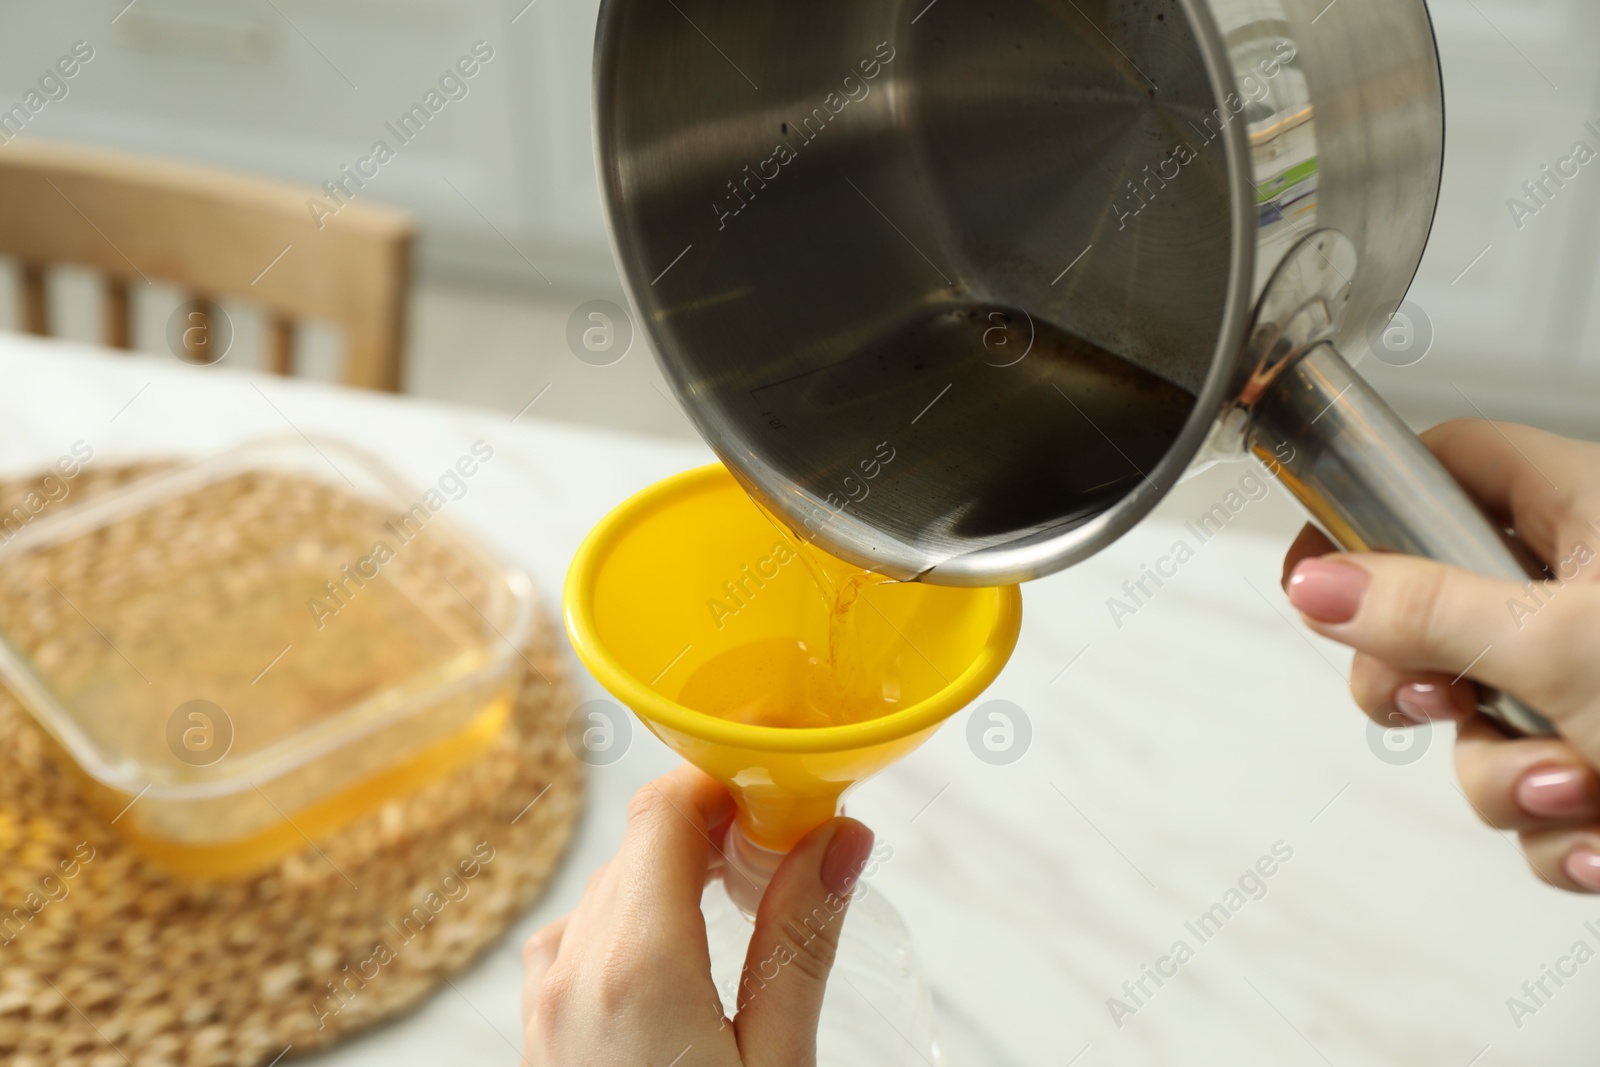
1168,756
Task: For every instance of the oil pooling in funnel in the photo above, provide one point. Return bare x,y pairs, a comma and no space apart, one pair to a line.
788,682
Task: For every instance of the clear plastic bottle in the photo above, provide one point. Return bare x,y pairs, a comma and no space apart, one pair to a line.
878,1008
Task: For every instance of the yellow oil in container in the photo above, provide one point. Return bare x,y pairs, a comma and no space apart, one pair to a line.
262,848
249,661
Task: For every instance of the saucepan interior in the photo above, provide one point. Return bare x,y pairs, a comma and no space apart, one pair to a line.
944,287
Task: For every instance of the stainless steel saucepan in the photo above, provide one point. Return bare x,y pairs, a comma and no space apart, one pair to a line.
963,289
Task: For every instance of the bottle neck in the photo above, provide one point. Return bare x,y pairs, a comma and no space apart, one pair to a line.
747,869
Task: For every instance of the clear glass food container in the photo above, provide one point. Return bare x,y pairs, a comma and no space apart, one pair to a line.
242,655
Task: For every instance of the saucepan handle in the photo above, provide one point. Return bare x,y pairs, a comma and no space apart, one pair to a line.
1374,487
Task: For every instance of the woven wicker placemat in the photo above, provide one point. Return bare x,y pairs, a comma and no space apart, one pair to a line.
106,961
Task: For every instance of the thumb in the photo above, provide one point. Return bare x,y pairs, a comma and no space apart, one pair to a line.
792,949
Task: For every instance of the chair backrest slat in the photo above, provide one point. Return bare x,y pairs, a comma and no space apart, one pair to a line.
35,299
116,313
280,344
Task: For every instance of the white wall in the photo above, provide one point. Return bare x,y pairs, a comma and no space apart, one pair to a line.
1514,335
504,181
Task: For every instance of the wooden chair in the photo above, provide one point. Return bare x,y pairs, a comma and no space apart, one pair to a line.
215,234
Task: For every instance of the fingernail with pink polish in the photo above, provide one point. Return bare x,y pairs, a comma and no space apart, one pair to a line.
1583,867
1328,591
1424,702
846,857
1552,792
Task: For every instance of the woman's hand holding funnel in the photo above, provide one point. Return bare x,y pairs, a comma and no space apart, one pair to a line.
626,977
1419,627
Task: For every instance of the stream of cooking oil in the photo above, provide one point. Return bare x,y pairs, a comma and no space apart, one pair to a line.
783,681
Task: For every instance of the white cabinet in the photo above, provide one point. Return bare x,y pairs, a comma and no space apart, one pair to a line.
500,173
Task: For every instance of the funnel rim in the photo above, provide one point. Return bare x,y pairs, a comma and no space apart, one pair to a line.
657,710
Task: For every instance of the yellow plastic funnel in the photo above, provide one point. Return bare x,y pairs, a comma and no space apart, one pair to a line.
691,568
